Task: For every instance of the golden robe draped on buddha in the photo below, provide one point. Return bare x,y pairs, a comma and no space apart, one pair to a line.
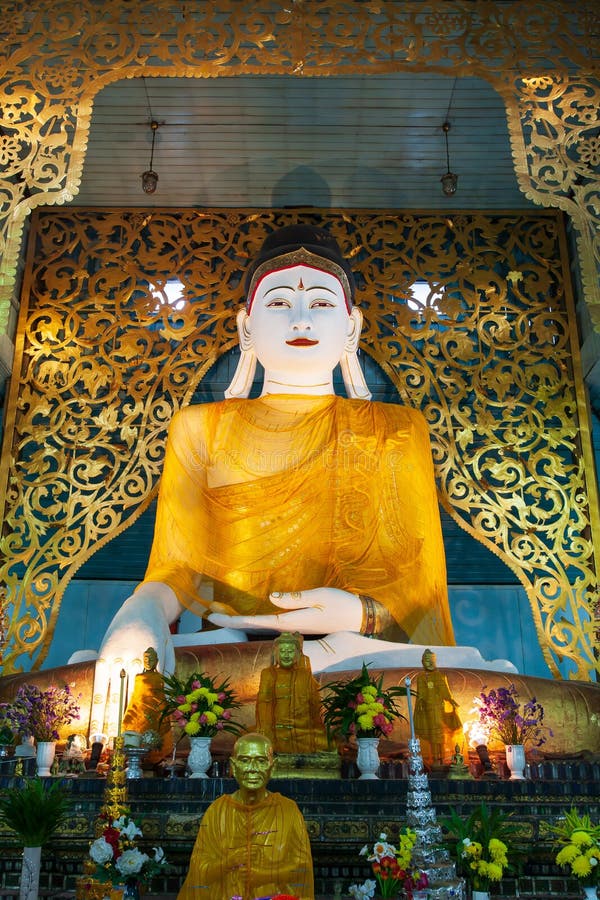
288,493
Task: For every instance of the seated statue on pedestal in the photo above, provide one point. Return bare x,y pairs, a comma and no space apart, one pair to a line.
252,843
306,511
288,706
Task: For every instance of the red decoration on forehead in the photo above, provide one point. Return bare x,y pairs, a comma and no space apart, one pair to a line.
259,281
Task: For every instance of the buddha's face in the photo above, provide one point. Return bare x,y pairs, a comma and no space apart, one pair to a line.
287,653
252,763
429,661
150,658
299,320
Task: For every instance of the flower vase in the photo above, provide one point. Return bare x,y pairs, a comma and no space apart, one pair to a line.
480,895
128,891
590,891
131,891
367,758
515,760
30,873
45,757
199,759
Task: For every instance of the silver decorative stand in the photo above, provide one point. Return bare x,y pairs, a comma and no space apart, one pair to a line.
134,759
428,853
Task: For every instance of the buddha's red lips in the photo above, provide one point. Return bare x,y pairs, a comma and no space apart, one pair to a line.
301,342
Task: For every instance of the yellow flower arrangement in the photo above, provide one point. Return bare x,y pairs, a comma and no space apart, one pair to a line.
479,845
485,870
199,706
579,841
361,706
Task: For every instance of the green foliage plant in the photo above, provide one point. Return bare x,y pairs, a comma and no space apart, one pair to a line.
34,811
480,844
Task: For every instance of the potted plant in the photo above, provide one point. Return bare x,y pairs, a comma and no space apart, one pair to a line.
504,716
40,714
578,839
201,707
393,869
362,709
34,811
118,859
480,846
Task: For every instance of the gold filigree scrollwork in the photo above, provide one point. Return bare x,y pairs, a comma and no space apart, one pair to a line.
484,347
56,55
558,162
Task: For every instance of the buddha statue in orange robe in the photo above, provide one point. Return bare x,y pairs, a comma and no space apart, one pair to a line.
288,705
299,510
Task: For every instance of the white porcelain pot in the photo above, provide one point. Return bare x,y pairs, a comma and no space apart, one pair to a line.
45,757
199,760
30,873
515,759
367,758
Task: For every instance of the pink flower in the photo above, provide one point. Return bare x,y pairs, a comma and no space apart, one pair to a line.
220,726
359,698
226,713
196,685
181,699
203,719
221,696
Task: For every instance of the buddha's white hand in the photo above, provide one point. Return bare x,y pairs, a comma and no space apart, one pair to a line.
317,611
141,622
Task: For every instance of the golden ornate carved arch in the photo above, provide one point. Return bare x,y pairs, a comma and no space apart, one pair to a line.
541,57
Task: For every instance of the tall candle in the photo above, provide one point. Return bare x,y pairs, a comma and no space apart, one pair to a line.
121,696
410,711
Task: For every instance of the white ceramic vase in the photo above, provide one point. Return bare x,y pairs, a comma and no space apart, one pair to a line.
590,891
45,757
480,895
30,873
199,759
367,758
515,760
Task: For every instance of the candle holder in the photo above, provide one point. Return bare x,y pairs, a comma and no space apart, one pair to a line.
484,758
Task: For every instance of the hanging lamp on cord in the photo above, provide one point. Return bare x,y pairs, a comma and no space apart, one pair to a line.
150,178
449,179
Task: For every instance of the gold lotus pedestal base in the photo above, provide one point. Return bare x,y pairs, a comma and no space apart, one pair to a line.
326,764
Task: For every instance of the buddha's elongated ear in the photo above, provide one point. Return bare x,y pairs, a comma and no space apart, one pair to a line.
354,380
241,383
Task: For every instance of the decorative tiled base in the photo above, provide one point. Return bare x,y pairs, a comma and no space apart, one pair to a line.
341,816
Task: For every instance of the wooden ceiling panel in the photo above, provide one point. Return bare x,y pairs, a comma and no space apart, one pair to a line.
260,141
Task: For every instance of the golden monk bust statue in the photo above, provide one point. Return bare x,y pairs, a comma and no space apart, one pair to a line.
436,718
252,843
301,510
288,706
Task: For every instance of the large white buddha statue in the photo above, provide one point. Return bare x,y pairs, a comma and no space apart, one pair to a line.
306,511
